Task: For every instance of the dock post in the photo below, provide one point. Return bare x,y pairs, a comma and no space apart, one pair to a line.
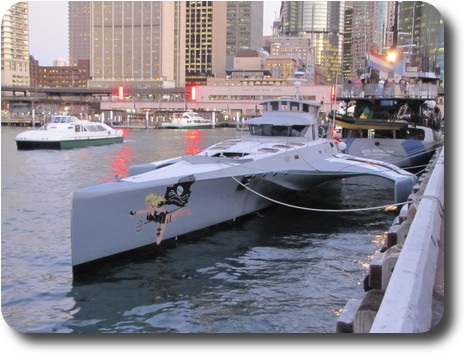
375,272
346,319
367,311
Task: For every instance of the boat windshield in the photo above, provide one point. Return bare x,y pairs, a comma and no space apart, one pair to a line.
63,119
407,134
292,106
278,130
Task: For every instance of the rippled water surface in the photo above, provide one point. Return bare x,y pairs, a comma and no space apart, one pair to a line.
282,270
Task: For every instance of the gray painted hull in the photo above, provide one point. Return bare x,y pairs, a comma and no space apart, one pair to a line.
195,192
111,228
402,153
102,223
232,178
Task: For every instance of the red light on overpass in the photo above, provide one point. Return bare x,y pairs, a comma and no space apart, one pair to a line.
193,93
121,93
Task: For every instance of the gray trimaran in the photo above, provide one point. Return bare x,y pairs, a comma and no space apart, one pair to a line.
283,154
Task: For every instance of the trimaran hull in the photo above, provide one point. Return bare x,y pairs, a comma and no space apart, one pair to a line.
162,200
116,217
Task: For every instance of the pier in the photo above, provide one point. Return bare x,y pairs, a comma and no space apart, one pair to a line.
405,284
21,122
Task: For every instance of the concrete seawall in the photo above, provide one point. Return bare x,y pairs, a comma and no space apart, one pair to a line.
405,285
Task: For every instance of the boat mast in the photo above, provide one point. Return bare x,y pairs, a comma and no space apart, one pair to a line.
297,80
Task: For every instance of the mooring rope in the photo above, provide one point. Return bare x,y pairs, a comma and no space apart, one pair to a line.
386,207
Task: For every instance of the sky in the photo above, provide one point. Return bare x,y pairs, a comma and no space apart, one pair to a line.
48,28
48,31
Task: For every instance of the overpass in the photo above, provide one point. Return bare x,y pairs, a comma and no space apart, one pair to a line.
86,91
18,102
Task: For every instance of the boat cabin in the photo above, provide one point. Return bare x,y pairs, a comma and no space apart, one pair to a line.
92,127
416,111
61,122
408,133
71,123
286,117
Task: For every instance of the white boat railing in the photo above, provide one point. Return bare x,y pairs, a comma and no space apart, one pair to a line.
387,90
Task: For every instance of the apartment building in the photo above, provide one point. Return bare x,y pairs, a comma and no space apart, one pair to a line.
15,46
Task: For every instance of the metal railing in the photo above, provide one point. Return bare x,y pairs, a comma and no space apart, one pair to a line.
387,90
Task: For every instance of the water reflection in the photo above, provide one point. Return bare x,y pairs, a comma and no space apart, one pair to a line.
193,140
121,160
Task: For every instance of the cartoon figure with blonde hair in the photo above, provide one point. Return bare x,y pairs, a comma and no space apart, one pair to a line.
176,195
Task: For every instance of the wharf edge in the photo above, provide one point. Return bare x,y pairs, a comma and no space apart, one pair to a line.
405,289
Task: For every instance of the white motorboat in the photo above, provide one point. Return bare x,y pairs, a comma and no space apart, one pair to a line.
66,132
188,120
281,156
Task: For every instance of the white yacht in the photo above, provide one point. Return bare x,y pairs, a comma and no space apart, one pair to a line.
66,132
188,120
282,155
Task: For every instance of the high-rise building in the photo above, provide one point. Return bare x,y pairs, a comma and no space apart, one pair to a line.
373,28
15,46
322,22
347,64
363,25
244,27
421,36
137,43
161,43
385,25
79,30
291,13
205,40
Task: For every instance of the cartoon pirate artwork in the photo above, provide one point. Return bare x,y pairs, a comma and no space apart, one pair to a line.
159,211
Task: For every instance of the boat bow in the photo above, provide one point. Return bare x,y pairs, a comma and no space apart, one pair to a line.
344,166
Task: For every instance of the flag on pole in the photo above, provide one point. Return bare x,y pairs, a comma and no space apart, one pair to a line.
400,66
378,62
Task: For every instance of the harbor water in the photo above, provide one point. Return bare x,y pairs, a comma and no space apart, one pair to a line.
281,270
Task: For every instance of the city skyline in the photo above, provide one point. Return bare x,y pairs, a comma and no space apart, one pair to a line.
42,35
51,43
